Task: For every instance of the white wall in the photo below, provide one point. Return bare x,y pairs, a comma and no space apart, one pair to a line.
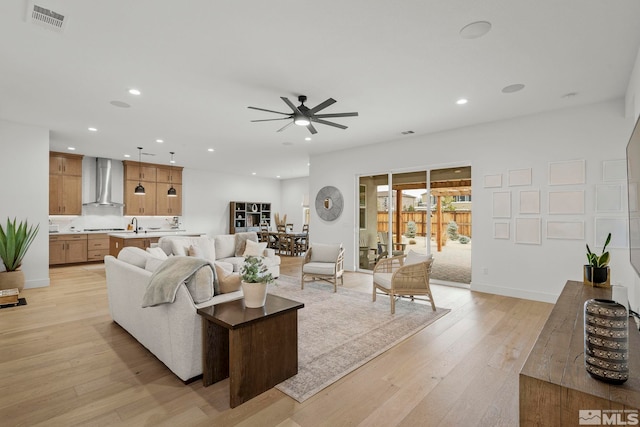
593,133
207,196
24,170
294,193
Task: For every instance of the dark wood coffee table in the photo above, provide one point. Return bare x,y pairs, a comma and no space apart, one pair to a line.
256,348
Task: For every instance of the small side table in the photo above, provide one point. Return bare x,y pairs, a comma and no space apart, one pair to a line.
257,348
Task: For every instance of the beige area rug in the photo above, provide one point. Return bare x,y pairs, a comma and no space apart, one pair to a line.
337,333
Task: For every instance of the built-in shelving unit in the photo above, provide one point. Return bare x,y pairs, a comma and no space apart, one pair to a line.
247,216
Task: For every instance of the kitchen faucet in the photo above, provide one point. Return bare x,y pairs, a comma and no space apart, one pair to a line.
135,230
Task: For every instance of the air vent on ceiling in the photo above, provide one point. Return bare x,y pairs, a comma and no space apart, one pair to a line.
46,18
407,132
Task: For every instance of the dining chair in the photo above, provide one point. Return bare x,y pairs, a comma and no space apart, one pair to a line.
301,243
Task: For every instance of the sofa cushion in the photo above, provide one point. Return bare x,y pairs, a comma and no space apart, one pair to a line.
228,281
157,252
254,248
327,268
134,256
321,252
153,263
225,246
241,240
180,245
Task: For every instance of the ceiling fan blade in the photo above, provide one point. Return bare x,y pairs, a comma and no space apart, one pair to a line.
269,111
270,120
290,104
324,122
285,126
312,129
322,105
337,115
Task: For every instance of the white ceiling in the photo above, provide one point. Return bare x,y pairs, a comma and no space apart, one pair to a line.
201,63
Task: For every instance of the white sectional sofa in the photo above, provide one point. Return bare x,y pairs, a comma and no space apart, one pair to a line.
226,250
173,332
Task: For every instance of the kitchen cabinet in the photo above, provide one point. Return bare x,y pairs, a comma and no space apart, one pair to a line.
135,204
117,243
67,249
97,246
65,184
156,180
169,206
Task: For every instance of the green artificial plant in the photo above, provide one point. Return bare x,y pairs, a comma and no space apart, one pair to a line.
254,271
601,261
14,242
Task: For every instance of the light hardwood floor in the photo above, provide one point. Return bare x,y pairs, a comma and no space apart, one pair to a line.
64,362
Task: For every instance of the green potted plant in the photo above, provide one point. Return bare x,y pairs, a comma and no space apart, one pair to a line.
254,280
596,271
14,242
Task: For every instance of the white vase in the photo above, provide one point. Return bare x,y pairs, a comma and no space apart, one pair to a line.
255,294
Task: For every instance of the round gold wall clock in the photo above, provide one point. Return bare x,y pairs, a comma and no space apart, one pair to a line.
329,203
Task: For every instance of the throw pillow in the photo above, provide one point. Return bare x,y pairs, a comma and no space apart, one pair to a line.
254,248
228,281
414,257
157,252
241,240
321,252
134,256
179,247
195,251
225,246
200,285
153,264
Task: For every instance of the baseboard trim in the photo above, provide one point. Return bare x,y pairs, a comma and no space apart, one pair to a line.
515,293
40,283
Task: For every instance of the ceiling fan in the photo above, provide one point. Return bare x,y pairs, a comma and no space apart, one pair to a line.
304,116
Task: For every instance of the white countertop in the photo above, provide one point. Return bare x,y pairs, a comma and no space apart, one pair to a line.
152,233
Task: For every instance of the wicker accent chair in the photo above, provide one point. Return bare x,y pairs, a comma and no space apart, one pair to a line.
324,262
404,275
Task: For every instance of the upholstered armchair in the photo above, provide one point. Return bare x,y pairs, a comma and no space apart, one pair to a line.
403,276
324,262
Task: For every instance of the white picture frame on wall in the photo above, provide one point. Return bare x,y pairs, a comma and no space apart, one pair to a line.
519,177
530,202
501,230
608,198
502,204
568,230
493,181
618,229
567,172
566,202
614,170
528,231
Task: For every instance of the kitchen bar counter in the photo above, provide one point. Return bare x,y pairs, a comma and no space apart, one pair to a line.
151,233
141,239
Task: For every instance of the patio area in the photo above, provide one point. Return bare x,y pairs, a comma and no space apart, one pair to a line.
452,264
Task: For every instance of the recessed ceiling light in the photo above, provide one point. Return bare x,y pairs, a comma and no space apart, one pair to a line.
407,132
134,92
71,148
308,164
475,30
211,150
253,173
127,155
159,141
462,101
92,129
277,176
513,88
308,138
120,104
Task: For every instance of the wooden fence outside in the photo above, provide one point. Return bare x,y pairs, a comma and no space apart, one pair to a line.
462,218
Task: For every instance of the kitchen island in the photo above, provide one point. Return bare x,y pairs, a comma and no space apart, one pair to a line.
141,239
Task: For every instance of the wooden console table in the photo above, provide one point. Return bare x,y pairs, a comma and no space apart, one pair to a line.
257,348
554,384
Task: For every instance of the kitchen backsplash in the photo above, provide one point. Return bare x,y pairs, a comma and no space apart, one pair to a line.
87,222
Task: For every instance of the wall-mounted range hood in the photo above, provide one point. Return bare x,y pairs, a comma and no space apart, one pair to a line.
103,184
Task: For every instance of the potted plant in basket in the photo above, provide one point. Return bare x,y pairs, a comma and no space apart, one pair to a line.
14,242
255,279
596,272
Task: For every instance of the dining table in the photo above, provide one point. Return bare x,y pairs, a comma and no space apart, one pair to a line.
292,237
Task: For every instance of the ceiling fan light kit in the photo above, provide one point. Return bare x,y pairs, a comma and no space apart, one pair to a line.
305,116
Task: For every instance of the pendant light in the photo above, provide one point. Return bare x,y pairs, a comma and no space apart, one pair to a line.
172,191
139,191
